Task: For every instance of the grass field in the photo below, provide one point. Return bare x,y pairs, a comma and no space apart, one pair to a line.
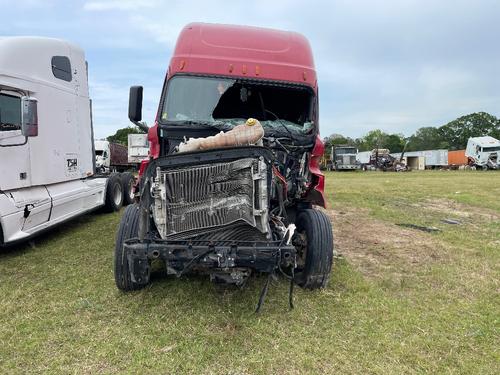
400,300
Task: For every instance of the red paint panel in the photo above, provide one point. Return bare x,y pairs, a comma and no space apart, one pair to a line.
154,143
316,192
244,51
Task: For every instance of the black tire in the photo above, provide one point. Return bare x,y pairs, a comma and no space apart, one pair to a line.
114,193
314,243
128,182
129,227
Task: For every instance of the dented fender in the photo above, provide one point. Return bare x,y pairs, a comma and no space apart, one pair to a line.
315,193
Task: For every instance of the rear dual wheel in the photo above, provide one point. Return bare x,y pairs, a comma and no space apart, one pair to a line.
128,183
119,191
114,193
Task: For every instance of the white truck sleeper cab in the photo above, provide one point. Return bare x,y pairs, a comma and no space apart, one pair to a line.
483,152
46,139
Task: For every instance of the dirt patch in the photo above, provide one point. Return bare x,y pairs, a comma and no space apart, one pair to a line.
452,208
380,249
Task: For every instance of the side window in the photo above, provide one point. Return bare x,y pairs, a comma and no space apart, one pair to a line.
10,112
61,68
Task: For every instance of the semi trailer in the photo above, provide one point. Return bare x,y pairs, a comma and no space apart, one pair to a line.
47,164
233,179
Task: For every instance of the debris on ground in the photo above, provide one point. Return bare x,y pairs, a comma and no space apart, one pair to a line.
419,227
451,221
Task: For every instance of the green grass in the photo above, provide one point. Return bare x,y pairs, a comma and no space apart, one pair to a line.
436,311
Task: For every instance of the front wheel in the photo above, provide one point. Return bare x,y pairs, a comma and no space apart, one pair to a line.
314,243
129,228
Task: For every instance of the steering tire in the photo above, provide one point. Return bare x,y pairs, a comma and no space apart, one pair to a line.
314,243
129,227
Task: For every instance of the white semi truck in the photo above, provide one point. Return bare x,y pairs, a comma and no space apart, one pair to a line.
47,163
111,157
483,152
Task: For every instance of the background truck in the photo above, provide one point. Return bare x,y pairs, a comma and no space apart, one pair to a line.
234,170
483,152
47,162
344,158
111,157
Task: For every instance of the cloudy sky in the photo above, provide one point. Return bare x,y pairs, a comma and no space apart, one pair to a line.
394,65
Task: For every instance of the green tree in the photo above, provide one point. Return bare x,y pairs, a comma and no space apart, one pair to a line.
373,139
121,135
427,138
458,131
395,142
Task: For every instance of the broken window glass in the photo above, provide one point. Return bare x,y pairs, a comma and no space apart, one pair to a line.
209,99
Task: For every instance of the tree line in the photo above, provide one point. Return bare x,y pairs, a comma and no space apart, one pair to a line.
121,135
452,136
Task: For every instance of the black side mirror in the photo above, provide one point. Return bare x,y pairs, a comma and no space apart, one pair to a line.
135,104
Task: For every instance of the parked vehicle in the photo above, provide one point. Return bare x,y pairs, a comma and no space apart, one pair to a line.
111,157
382,160
235,161
47,163
483,152
344,157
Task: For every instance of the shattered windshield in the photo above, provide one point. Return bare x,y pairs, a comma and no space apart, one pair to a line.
216,100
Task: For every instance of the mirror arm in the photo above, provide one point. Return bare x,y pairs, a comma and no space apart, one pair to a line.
17,144
141,125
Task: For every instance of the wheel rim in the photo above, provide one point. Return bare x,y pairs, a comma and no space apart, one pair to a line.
300,243
131,190
117,194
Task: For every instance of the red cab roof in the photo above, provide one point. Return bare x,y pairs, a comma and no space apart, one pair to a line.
243,51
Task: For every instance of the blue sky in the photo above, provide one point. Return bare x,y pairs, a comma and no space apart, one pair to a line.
393,65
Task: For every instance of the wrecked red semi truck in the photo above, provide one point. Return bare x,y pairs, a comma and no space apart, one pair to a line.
223,207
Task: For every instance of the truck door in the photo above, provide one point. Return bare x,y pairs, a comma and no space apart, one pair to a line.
14,149
35,203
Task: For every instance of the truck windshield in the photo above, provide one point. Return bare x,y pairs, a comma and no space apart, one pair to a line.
491,149
10,112
344,151
208,99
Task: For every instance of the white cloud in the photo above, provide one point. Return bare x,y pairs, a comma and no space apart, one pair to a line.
106,5
396,65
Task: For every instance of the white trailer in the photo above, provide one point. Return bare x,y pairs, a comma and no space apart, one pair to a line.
47,163
138,148
363,157
483,152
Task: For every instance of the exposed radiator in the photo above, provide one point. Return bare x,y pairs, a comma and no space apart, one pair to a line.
206,200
